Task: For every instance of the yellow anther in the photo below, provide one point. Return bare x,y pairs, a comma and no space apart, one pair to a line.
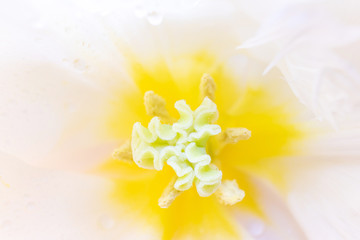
229,193
233,135
169,194
207,87
123,153
156,106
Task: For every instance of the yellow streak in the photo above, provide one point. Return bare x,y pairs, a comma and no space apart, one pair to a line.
4,183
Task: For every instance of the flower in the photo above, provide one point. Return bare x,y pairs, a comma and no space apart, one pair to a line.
74,76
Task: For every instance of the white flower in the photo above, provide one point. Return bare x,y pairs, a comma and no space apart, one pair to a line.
72,80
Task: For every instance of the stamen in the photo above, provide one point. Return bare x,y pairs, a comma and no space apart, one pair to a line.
183,146
207,87
229,193
156,106
233,135
169,194
123,153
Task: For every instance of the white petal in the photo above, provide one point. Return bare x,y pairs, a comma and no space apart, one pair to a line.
40,107
61,64
325,201
305,38
53,98
43,204
280,223
334,147
260,10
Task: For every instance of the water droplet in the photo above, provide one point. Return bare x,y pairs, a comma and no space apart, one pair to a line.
106,222
140,11
154,18
256,228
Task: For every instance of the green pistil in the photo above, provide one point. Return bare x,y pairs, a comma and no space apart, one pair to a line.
182,146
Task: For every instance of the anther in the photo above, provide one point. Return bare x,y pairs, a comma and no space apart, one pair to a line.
123,153
233,135
155,106
229,193
207,87
169,194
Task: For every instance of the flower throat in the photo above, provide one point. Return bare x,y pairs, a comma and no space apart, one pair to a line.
182,144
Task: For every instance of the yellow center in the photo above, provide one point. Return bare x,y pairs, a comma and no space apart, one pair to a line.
183,146
274,131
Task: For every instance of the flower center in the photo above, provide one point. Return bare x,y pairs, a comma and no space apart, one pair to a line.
183,146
